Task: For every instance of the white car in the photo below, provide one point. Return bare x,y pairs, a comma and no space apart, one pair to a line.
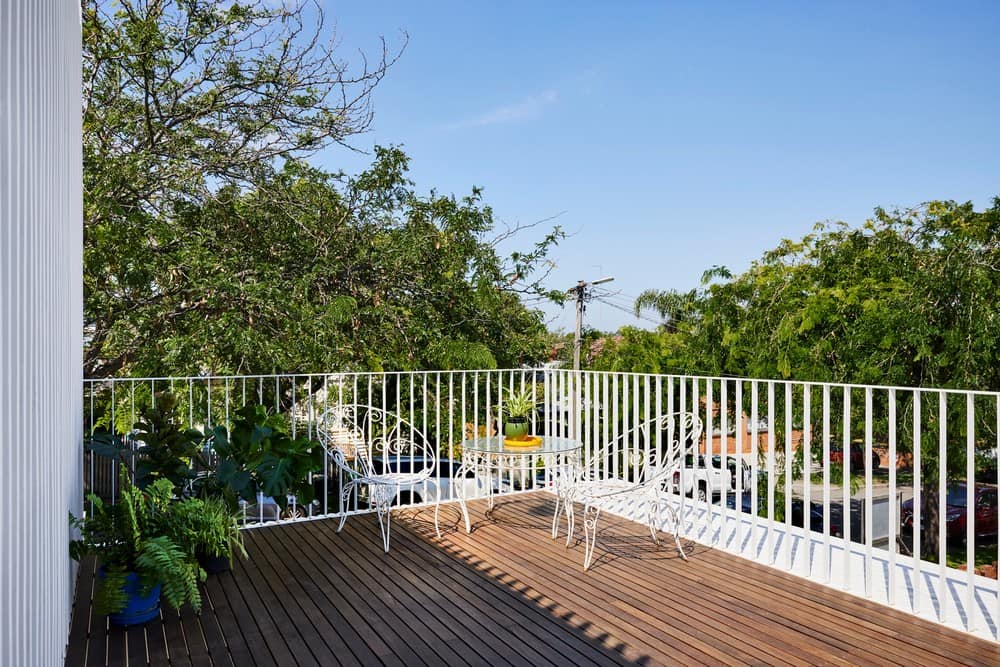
705,481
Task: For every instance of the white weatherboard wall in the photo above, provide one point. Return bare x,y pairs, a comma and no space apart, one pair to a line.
40,323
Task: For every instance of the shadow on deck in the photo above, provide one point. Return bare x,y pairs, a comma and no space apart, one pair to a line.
508,594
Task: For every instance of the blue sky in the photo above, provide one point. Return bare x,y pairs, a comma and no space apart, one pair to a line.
671,137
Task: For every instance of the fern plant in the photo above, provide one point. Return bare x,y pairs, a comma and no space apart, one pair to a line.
138,534
208,528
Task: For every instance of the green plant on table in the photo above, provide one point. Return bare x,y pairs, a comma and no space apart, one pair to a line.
518,404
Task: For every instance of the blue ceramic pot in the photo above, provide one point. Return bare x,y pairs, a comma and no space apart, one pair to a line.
140,608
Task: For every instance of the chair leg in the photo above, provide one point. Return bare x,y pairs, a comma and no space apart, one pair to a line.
555,517
383,508
570,522
677,531
345,496
437,511
653,519
590,516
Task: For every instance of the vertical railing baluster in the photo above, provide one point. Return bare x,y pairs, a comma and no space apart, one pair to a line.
942,485
755,457
807,564
740,429
970,511
894,517
788,480
846,467
869,529
771,481
917,500
724,533
682,440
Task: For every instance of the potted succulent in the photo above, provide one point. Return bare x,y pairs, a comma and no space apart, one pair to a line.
210,533
140,561
516,410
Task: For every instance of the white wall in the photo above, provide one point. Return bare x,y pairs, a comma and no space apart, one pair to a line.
40,323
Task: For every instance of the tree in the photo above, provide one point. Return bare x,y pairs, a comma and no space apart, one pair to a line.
311,272
907,299
183,98
634,350
210,245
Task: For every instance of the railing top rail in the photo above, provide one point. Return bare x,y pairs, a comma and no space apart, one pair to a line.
673,376
811,383
272,376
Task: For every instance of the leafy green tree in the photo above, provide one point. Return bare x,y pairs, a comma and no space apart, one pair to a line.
211,246
907,299
634,350
313,272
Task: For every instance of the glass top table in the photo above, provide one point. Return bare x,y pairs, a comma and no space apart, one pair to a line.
489,458
495,445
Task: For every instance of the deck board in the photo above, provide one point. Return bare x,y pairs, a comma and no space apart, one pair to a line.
508,594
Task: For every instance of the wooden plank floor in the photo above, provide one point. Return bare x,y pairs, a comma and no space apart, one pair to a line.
508,594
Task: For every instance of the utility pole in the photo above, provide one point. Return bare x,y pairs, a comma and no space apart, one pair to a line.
582,294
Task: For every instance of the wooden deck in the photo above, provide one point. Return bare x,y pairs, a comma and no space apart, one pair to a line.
508,594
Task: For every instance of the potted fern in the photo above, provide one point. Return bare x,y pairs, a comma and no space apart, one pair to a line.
210,533
516,410
140,561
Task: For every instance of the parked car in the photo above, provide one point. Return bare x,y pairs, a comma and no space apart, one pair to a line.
956,514
857,457
816,523
704,480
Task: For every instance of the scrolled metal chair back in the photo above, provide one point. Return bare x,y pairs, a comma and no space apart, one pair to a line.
653,461
676,430
356,435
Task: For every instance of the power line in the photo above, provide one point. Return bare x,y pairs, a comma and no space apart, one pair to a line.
624,309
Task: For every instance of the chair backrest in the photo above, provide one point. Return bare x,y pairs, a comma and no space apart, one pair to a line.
655,457
364,441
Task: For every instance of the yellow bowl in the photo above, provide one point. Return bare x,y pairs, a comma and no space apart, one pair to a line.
530,441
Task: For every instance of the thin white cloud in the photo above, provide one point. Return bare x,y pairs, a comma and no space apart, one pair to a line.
526,109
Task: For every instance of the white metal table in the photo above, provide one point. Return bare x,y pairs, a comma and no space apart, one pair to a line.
489,455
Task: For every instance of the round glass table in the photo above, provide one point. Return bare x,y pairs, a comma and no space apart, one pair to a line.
489,458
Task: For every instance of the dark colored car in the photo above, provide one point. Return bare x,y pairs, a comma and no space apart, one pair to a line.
815,512
956,514
857,457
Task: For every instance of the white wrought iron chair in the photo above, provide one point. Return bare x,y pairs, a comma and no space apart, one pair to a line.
355,435
651,466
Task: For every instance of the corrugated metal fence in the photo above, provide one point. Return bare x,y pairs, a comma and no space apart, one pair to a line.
40,323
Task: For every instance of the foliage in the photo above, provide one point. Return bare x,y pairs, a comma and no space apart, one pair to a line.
209,245
208,528
158,447
907,299
903,300
259,454
304,274
634,350
134,535
181,98
519,403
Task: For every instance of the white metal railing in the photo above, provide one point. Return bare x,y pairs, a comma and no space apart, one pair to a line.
445,407
828,481
839,476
